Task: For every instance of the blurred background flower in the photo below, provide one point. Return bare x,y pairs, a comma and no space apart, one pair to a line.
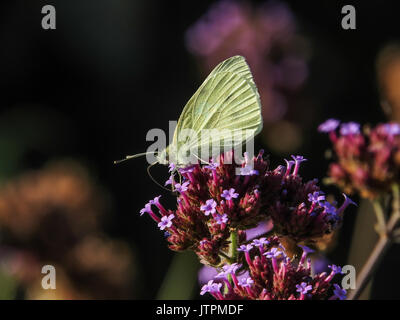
51,216
277,54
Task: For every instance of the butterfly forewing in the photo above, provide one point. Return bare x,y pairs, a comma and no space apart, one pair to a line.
223,113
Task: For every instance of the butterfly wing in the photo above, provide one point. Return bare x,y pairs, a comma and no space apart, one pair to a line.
227,104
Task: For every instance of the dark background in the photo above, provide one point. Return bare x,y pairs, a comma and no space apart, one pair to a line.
112,70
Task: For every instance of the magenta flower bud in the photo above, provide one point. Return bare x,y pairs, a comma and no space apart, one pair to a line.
147,209
306,251
297,161
156,202
170,180
346,203
212,288
246,249
289,165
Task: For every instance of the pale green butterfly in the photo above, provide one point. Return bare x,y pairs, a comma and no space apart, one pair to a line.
227,100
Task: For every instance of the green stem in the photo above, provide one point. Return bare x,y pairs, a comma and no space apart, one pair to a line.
234,244
370,267
396,200
385,241
380,216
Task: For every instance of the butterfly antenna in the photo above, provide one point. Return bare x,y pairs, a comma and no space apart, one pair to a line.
154,180
134,156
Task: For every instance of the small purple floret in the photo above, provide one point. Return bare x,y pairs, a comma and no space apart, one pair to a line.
273,253
146,209
229,194
182,187
248,170
166,222
336,269
211,287
260,242
316,197
221,219
209,207
245,248
339,293
303,288
246,282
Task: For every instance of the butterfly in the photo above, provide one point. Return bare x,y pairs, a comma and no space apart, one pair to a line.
224,112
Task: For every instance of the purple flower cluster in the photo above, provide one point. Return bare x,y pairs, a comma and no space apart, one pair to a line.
214,200
367,162
299,210
272,275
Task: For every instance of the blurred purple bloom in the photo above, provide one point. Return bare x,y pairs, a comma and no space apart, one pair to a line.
329,208
350,128
236,27
339,293
329,125
392,128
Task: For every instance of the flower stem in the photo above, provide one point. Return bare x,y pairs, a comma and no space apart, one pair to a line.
370,267
234,244
385,241
380,216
